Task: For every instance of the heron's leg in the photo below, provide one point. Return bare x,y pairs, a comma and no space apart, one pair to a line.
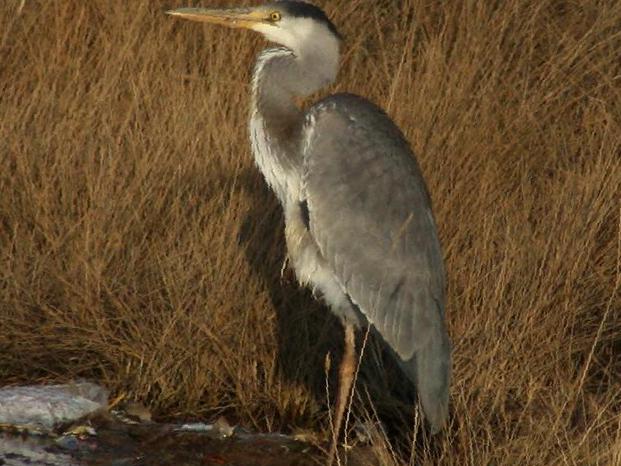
346,377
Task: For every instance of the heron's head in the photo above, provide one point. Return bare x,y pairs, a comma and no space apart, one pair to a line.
296,25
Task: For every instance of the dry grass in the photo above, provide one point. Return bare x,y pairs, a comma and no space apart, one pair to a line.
139,247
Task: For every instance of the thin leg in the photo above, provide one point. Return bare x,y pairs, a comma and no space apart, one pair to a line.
346,376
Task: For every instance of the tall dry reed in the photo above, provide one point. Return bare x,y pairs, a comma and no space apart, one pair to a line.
139,246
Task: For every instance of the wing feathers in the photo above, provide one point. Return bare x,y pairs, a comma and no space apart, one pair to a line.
370,215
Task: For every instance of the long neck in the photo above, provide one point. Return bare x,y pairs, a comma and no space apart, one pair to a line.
272,99
276,122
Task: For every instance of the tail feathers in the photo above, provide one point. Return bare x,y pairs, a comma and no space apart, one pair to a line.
430,370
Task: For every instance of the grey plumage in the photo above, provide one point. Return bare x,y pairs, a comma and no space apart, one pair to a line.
370,215
359,226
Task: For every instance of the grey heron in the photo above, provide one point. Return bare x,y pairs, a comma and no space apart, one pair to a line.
358,221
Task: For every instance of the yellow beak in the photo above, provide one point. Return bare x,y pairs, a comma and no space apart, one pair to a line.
230,17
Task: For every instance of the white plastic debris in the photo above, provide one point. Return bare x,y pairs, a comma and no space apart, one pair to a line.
46,406
221,428
195,427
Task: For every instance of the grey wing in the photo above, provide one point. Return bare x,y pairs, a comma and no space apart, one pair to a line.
370,215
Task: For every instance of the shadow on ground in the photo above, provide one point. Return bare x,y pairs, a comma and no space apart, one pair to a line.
307,331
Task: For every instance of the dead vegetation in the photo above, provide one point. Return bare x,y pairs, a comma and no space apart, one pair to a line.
139,247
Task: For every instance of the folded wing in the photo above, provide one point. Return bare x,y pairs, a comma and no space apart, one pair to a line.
370,215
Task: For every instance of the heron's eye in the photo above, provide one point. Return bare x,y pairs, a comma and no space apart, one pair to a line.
275,16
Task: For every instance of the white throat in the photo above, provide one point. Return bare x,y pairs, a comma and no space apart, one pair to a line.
307,61
315,48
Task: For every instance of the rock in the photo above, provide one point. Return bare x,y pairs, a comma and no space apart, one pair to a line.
44,407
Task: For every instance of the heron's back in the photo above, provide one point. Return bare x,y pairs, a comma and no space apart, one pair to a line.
370,215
